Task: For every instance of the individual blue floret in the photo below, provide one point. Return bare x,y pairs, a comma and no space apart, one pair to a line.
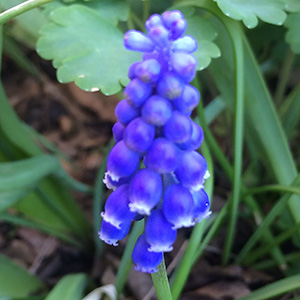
145,260
157,110
169,86
137,41
162,156
111,234
145,191
184,65
116,209
202,204
178,206
148,70
139,135
125,112
121,161
118,131
192,170
159,232
178,128
195,140
188,100
137,92
184,44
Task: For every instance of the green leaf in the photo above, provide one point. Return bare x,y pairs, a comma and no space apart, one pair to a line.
86,49
19,177
269,11
16,281
202,30
71,287
112,11
292,36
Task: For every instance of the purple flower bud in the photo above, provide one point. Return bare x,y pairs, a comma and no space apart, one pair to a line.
159,35
111,234
159,232
116,210
121,161
137,92
148,70
154,20
177,29
185,44
169,86
184,65
156,110
191,170
162,156
195,141
178,128
202,203
178,206
137,41
125,112
139,135
170,16
188,100
118,131
145,191
145,260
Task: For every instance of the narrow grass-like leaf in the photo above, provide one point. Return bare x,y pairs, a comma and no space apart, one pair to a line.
70,287
292,35
15,281
275,289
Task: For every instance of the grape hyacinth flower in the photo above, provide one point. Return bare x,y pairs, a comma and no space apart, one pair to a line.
154,130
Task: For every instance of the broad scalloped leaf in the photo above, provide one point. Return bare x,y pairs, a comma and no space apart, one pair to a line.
202,30
112,11
269,11
86,49
292,36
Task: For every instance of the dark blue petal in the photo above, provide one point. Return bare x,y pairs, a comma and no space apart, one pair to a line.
145,260
178,206
125,112
148,70
137,92
118,131
195,141
162,156
111,234
159,232
137,41
169,86
145,191
202,204
116,209
121,161
191,170
156,110
139,135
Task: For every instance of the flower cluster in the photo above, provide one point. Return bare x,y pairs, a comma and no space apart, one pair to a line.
154,127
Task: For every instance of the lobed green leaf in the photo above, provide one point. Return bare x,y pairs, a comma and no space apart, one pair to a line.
86,49
292,36
269,11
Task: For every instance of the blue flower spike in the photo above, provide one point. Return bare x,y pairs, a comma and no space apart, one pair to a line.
154,169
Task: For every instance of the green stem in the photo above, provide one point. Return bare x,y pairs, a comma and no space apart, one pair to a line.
145,10
125,265
161,283
238,135
284,76
20,9
274,188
